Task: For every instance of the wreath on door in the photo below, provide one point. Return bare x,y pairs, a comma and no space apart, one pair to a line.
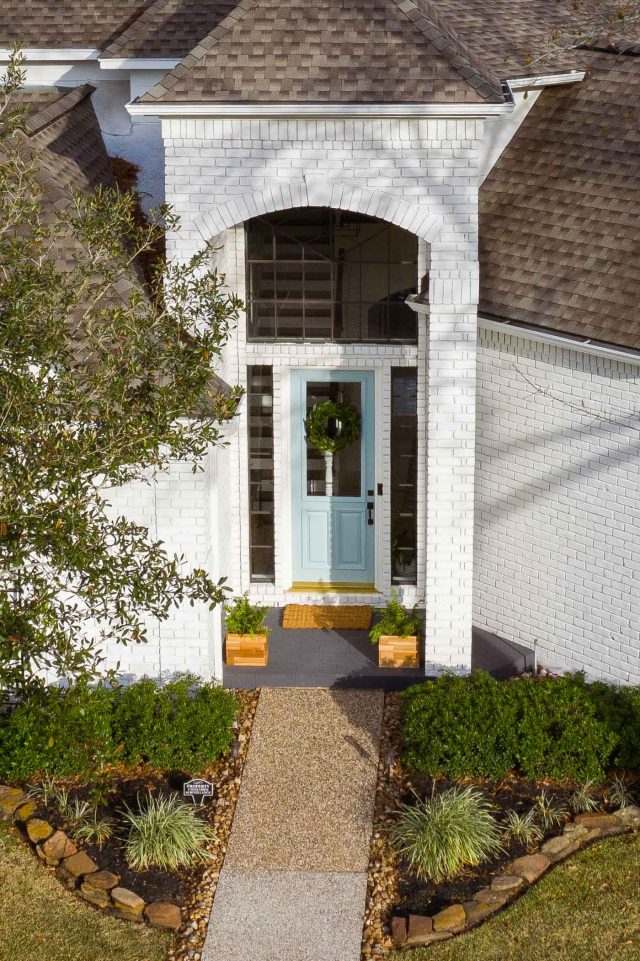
332,426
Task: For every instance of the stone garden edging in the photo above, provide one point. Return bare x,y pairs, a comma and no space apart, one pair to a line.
191,929
80,873
517,877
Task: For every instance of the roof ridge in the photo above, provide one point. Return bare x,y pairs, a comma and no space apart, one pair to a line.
41,118
425,16
112,48
226,25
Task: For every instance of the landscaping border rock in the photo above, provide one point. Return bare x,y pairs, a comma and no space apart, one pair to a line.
384,930
517,877
80,873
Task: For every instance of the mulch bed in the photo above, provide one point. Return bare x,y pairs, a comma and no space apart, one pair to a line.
192,888
393,889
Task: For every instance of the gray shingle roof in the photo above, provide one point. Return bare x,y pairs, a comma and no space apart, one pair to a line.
62,131
559,239
169,28
85,24
354,51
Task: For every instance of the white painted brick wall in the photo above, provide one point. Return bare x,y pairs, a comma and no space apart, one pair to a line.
557,552
176,508
419,174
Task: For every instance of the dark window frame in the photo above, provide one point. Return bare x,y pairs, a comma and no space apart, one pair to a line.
404,470
288,318
261,467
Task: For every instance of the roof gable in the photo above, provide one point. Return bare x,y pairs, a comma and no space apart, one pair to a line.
335,51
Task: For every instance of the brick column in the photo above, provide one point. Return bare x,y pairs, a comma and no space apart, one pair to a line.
450,327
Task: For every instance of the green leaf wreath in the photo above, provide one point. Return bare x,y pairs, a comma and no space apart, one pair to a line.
317,423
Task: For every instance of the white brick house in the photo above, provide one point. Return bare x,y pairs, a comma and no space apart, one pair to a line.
302,139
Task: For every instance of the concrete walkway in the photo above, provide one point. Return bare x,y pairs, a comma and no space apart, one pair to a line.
294,881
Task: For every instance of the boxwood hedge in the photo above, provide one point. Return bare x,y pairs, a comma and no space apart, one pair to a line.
77,730
539,727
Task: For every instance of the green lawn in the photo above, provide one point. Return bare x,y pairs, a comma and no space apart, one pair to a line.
587,909
40,920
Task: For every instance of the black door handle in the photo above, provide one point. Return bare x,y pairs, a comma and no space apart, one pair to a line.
370,510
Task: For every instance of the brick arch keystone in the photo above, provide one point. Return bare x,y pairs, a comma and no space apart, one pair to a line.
318,192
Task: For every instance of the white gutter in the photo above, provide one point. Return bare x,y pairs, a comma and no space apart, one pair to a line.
319,110
584,345
545,80
139,63
60,55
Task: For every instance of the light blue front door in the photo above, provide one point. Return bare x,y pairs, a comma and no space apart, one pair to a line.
333,495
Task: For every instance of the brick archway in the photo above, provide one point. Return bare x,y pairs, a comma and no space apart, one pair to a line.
312,192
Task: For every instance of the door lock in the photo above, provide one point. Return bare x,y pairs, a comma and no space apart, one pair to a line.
370,510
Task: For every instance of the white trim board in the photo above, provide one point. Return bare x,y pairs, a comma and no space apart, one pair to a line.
545,80
138,63
449,111
60,55
586,346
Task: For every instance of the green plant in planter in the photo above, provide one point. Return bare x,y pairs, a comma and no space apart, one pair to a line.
442,834
396,621
245,618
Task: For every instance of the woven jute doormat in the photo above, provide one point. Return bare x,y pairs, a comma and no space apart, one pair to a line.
308,616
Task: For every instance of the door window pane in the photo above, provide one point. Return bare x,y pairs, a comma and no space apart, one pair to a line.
404,466
336,474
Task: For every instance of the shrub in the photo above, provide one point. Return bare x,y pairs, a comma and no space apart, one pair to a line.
242,617
76,731
181,725
547,727
523,827
60,731
559,734
166,833
396,621
444,833
619,708
458,726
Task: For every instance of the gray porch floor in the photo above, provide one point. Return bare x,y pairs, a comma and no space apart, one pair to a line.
348,659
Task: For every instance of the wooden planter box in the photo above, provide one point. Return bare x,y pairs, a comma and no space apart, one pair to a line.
398,651
247,650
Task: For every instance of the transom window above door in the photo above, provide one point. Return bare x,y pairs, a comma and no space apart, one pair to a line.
325,275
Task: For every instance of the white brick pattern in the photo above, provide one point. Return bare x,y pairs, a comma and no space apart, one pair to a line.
557,558
421,175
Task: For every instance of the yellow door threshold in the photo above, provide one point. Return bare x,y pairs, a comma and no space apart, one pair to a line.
331,587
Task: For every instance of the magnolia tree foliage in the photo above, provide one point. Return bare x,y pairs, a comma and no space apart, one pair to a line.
103,381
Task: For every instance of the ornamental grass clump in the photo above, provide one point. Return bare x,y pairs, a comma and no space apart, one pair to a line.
523,827
444,833
618,793
165,833
584,800
550,810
